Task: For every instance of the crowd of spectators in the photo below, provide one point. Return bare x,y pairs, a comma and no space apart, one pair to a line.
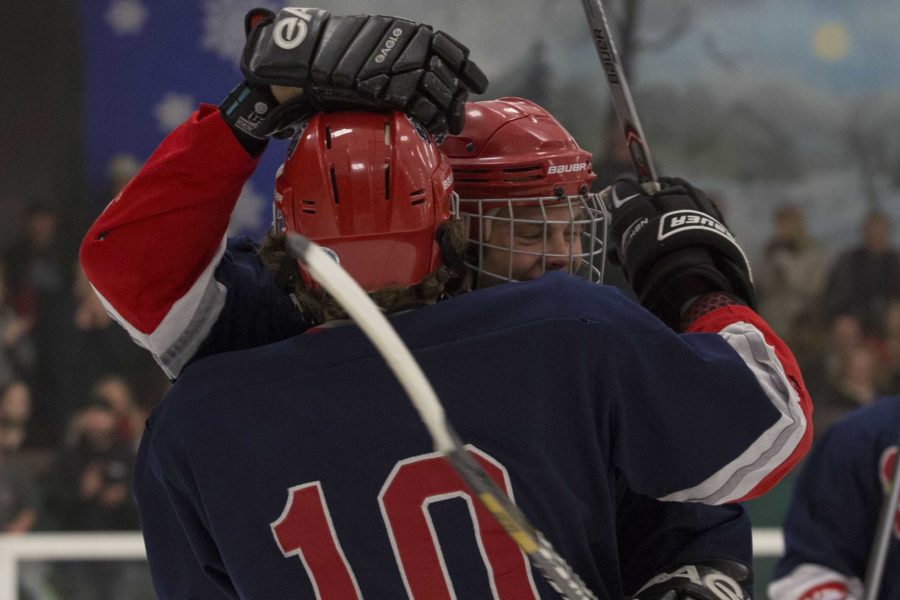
75,391
841,316
74,394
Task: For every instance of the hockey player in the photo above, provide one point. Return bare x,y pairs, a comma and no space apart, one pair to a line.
313,437
158,256
218,300
524,194
523,184
829,531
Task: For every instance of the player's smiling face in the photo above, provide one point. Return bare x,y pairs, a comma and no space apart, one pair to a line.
536,241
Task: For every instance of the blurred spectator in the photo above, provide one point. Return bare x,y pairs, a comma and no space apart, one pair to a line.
115,391
854,384
101,347
811,342
89,311
18,510
16,349
892,349
841,366
88,488
791,274
36,261
38,276
15,411
866,278
846,335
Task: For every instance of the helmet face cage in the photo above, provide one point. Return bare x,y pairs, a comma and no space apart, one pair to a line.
567,232
524,185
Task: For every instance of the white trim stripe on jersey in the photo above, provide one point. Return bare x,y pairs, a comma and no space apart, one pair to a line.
775,445
809,577
190,319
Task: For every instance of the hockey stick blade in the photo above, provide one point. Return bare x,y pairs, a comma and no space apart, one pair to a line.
337,282
623,103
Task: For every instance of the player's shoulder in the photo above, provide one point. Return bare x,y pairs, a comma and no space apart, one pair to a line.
242,261
210,390
556,305
875,422
558,295
241,255
208,386
553,307
882,412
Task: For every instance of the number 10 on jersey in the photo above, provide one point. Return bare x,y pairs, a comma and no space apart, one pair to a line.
305,530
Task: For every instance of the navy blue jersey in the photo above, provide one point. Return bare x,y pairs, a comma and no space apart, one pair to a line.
255,309
830,526
159,261
300,468
656,537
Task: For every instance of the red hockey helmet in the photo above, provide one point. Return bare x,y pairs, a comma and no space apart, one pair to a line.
370,188
517,168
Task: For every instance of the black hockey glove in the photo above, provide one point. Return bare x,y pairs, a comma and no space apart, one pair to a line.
251,109
250,112
360,62
674,246
705,580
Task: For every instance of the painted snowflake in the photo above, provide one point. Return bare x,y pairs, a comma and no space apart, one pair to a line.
223,25
249,216
127,17
122,166
173,110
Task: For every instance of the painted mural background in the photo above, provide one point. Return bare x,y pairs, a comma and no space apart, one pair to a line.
759,101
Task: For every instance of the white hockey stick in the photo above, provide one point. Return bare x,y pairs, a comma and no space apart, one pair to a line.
368,317
623,103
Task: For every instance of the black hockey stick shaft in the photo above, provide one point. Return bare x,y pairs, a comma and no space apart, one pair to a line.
337,282
532,542
883,535
623,103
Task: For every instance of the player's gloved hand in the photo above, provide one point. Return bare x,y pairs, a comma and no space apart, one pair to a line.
705,580
252,110
360,62
674,246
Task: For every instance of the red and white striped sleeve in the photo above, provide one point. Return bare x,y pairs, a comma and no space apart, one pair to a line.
778,449
152,253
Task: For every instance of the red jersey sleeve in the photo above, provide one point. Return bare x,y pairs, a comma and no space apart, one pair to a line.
773,364
151,254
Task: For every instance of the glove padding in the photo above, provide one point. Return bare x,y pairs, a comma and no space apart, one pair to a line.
361,62
705,580
674,246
